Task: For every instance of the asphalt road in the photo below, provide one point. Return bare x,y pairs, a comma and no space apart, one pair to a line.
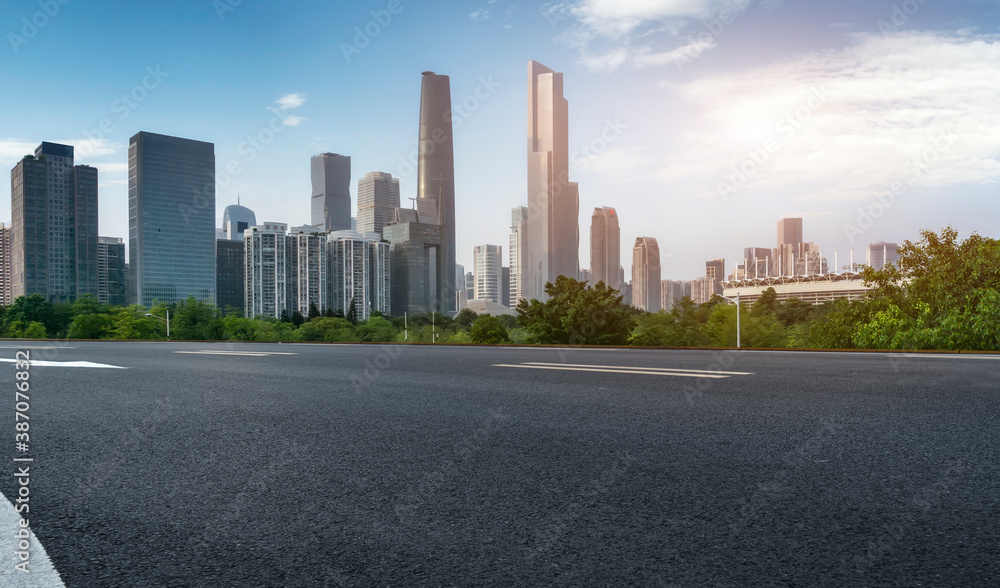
299,465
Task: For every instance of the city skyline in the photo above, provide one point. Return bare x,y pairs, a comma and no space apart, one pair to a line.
652,134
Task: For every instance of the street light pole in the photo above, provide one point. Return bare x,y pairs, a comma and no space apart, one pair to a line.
737,301
161,320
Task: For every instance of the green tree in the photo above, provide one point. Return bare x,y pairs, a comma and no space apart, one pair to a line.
577,314
466,317
313,311
488,330
376,330
32,309
237,328
89,326
131,323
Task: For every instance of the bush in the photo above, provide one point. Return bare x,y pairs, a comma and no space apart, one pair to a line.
488,330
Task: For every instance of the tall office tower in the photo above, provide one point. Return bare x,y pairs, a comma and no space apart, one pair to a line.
5,270
487,266
331,192
436,178
553,201
470,286
378,199
171,224
307,270
235,220
505,287
789,246
461,301
230,276
646,274
414,239
605,247
112,287
267,288
517,252
716,270
810,261
759,263
359,273
626,293
672,291
881,253
54,222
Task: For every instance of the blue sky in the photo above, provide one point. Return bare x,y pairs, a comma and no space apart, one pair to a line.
869,119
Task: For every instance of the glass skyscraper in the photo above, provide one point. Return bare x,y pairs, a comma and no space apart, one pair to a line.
171,219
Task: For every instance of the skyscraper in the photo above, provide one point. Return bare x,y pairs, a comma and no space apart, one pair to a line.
359,273
414,238
5,270
880,253
488,264
235,220
789,246
716,270
646,274
436,178
605,247
553,201
307,270
759,263
54,222
671,291
331,192
378,199
171,219
230,276
267,288
517,252
112,283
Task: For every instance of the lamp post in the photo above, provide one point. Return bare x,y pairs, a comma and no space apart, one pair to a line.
737,302
161,320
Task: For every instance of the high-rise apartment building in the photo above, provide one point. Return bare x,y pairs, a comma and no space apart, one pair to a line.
378,199
881,253
172,230
517,252
703,289
646,274
487,265
267,287
112,279
5,270
307,270
605,247
671,291
331,192
553,201
54,222
359,274
230,276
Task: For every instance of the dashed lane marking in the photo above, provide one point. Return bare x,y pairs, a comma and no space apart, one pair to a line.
648,369
638,371
70,364
234,353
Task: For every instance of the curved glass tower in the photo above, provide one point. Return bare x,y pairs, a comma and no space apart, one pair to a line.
436,179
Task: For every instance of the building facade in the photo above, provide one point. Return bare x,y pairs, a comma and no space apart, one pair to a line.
359,273
488,272
266,259
715,270
54,226
172,230
414,256
646,274
307,269
378,199
112,278
5,270
230,276
517,251
605,247
331,192
236,220
671,291
789,249
880,254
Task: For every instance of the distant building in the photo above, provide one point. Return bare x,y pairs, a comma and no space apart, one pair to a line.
112,279
359,274
505,287
378,199
881,253
605,247
758,262
487,259
54,226
482,307
307,270
811,261
5,270
646,274
331,192
171,220
814,289
626,294
585,276
236,220
517,251
470,286
789,249
671,291
461,300
267,288
230,276
716,270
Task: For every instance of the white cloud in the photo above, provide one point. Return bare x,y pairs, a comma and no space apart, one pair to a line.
293,121
289,101
481,14
894,105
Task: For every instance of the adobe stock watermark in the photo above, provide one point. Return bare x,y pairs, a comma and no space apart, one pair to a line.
460,112
706,39
588,153
224,7
364,35
912,171
123,107
900,16
758,157
32,25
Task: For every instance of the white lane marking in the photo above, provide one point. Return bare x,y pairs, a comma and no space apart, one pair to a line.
610,371
42,574
79,364
933,356
36,347
622,367
236,353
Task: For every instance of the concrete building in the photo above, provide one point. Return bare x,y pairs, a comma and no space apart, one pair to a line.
487,265
331,192
112,279
54,226
230,276
605,247
172,230
5,270
267,288
517,253
672,291
881,253
646,274
703,289
378,199
553,201
359,274
307,270
436,180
